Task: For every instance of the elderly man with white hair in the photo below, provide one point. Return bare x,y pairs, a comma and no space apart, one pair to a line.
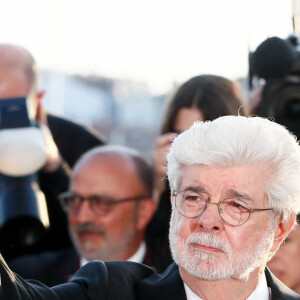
235,195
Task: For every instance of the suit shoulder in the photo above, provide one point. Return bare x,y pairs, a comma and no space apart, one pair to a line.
102,278
57,124
279,289
51,268
44,257
132,269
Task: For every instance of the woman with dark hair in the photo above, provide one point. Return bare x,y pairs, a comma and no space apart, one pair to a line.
213,96
204,97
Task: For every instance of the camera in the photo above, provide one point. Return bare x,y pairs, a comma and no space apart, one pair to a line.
277,61
23,208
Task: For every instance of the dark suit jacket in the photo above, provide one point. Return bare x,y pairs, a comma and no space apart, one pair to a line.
73,139
53,268
114,281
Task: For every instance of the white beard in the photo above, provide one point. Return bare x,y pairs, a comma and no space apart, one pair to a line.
211,266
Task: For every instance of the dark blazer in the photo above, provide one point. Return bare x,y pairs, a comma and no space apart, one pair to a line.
53,268
114,281
73,139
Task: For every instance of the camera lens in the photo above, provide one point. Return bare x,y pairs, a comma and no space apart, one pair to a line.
293,109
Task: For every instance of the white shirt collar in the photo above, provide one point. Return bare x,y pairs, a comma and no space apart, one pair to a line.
261,292
138,256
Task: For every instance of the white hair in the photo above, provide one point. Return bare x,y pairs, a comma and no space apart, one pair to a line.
235,141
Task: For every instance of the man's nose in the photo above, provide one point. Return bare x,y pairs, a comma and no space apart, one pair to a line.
210,219
85,212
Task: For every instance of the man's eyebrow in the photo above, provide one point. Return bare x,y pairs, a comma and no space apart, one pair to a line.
196,189
230,192
236,194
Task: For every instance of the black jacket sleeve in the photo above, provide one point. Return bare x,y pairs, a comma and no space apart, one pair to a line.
94,281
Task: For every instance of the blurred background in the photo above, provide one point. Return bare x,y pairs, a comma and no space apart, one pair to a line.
113,64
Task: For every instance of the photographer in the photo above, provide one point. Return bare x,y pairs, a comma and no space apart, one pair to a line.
277,62
65,142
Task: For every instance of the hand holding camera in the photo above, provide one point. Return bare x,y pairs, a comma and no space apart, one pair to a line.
54,160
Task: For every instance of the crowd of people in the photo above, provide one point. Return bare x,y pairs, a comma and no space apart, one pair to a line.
124,228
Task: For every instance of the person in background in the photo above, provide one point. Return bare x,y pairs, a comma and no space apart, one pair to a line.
286,262
109,205
204,98
66,142
235,196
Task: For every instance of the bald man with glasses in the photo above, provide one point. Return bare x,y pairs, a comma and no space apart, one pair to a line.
108,206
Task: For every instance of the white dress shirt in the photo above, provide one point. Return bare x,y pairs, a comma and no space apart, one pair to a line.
262,292
138,256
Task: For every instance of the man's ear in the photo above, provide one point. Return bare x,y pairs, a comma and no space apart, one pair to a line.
283,229
40,95
146,210
40,113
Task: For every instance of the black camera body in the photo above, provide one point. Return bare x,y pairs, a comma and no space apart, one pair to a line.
277,61
14,113
23,208
281,101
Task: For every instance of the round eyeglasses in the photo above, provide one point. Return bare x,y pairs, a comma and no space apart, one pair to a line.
100,205
234,212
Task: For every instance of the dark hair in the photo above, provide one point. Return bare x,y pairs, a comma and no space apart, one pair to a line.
214,95
145,173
